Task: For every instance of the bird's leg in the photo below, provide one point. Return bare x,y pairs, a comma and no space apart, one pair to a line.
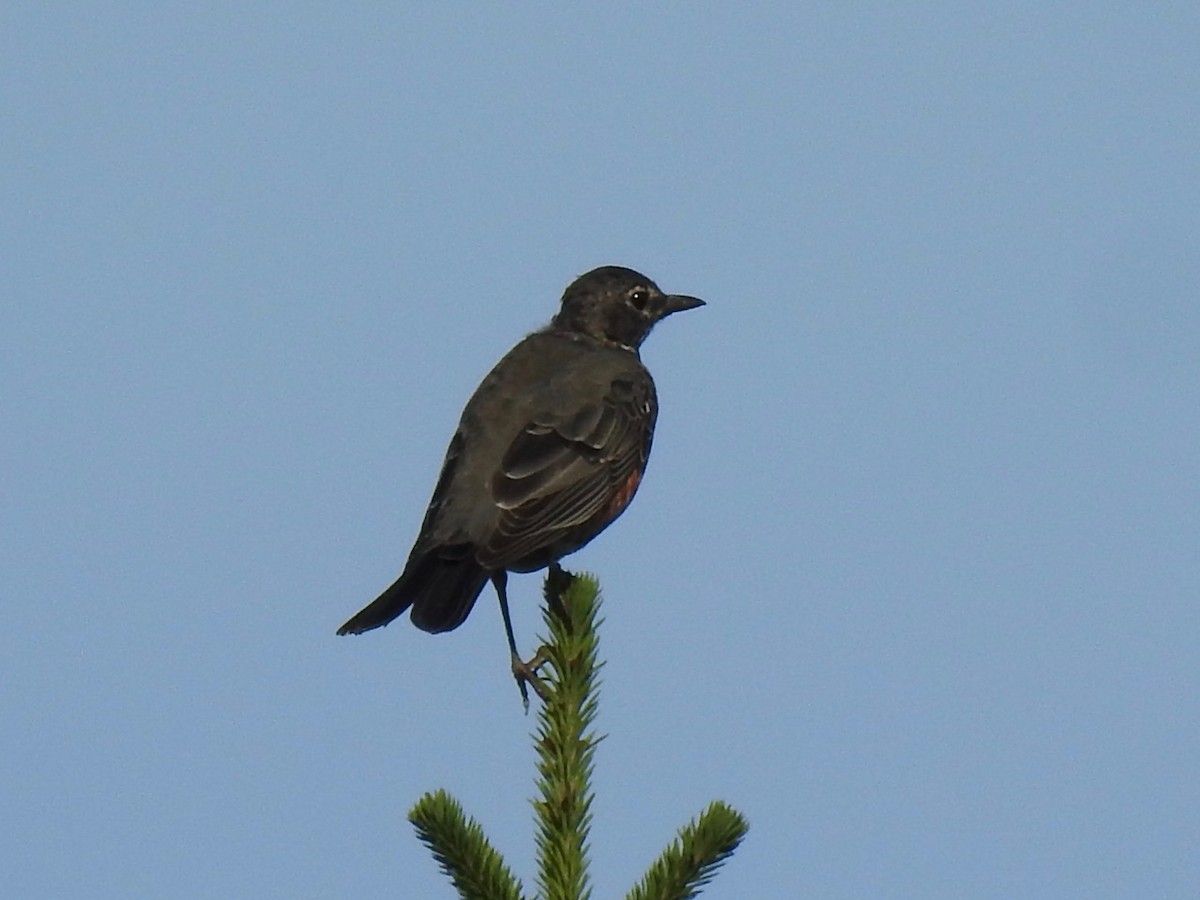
557,582
523,672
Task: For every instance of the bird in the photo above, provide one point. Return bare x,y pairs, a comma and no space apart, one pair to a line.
549,451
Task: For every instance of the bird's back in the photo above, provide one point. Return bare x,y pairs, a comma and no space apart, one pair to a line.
554,383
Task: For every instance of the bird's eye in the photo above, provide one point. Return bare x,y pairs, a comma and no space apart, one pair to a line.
638,298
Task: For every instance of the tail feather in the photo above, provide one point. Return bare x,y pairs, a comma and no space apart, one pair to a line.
453,589
441,588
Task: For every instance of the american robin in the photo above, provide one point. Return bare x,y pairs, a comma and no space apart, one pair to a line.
550,450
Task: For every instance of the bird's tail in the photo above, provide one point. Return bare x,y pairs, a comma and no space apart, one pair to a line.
441,586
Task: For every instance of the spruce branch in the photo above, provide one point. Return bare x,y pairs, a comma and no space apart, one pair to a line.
459,846
566,745
694,857
567,670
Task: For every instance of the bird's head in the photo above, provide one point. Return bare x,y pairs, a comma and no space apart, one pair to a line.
617,305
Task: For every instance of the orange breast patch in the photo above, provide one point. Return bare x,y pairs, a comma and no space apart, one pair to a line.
624,493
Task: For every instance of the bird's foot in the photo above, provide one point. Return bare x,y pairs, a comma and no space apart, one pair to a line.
526,673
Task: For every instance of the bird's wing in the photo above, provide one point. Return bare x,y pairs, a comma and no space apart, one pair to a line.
571,467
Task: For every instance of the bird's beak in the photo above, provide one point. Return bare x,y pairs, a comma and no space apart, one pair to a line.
678,303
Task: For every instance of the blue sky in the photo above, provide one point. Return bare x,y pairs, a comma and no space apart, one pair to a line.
912,579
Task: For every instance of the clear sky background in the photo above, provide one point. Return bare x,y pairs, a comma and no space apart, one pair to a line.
913,577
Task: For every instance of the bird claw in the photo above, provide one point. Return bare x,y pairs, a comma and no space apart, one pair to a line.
527,673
